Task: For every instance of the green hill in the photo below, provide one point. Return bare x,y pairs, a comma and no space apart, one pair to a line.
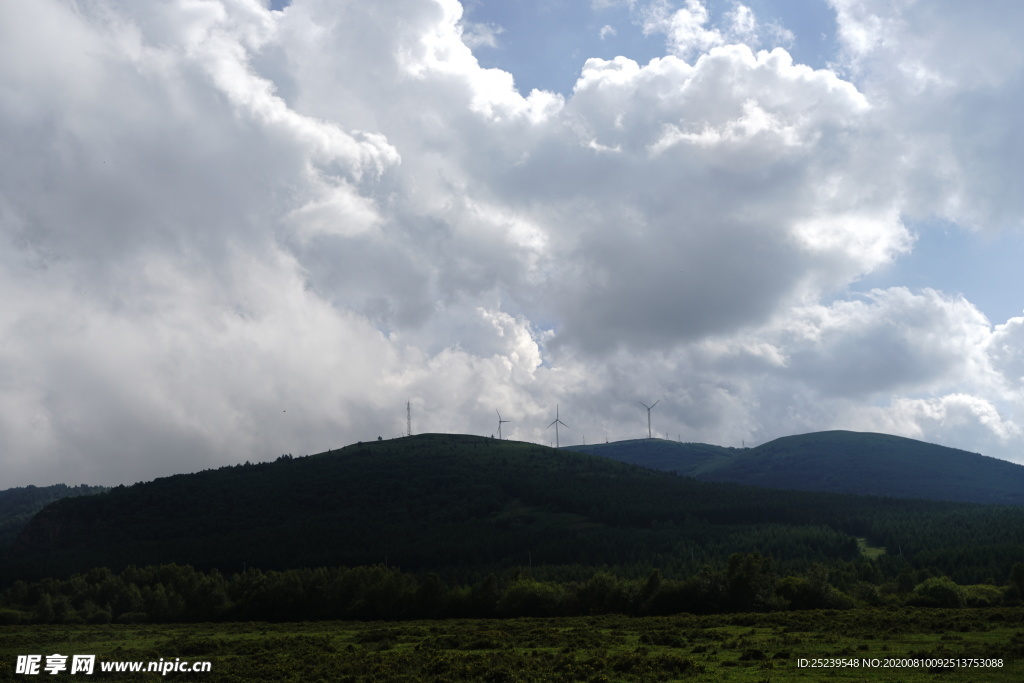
876,464
464,506
838,461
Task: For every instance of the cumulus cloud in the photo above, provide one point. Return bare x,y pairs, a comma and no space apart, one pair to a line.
236,233
719,158
948,79
892,340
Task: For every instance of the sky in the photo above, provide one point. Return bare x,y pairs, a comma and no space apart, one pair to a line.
233,229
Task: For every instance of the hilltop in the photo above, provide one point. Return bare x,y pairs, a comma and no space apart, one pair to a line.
687,459
838,461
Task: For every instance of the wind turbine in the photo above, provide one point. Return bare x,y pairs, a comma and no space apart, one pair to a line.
556,423
649,414
500,422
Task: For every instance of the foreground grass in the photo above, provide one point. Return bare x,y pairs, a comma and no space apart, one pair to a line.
744,647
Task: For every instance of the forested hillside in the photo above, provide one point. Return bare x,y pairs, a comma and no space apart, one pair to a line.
18,505
466,506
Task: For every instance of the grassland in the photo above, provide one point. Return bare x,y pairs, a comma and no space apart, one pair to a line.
739,647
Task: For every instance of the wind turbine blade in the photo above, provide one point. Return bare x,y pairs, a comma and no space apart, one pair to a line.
656,403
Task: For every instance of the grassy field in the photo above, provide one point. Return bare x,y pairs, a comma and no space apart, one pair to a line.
745,647
868,551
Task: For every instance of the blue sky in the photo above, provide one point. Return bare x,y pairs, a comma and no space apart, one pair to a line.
984,268
544,44
237,229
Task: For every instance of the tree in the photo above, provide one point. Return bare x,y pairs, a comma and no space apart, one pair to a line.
43,613
750,582
939,592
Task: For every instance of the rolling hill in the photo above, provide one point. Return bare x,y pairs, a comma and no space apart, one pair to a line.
464,506
837,461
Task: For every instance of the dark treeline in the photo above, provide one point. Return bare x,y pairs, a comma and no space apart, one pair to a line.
749,582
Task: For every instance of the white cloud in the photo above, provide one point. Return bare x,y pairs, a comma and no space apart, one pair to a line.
606,30
684,28
742,24
963,421
893,340
1006,349
779,36
947,76
689,31
476,35
718,159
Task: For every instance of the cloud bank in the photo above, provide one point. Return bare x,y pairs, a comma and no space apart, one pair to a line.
231,233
